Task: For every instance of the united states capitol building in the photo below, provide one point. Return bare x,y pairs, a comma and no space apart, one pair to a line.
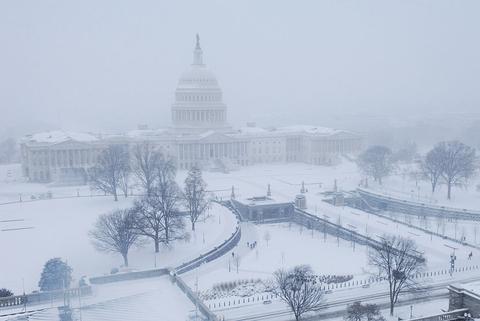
200,134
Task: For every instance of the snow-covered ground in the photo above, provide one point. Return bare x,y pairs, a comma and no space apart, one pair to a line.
59,228
412,311
468,231
13,187
408,187
289,245
286,180
140,300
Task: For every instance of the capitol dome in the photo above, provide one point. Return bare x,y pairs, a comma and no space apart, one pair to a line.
198,98
198,77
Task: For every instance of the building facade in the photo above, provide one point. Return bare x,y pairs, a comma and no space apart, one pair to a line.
200,135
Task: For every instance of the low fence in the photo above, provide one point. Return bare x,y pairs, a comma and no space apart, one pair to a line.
39,297
385,202
232,301
315,222
128,276
378,213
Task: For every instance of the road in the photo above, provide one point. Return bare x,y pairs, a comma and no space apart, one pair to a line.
336,303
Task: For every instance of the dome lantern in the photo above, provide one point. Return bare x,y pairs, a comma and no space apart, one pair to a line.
198,53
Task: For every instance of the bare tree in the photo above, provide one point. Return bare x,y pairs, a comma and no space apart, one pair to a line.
157,215
124,180
458,163
106,175
149,219
8,151
398,261
267,237
432,167
115,232
237,260
376,161
146,160
406,153
195,194
167,196
300,289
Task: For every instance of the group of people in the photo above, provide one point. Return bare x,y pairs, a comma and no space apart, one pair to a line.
252,245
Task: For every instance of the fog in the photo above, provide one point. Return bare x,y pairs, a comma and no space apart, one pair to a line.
332,173
110,65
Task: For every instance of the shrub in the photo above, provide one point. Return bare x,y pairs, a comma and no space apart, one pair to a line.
5,293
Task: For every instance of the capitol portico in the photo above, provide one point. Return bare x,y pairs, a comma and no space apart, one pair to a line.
200,135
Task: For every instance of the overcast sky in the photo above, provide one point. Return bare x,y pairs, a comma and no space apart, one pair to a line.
90,65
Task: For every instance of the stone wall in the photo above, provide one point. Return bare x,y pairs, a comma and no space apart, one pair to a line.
461,298
314,222
128,276
388,203
39,297
202,308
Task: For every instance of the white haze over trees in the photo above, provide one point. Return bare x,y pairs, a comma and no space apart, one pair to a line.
388,63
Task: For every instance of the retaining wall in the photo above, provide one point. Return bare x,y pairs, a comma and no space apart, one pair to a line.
202,308
128,276
314,222
388,203
39,297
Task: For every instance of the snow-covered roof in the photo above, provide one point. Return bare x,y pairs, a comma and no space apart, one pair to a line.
59,136
308,129
146,133
252,130
298,129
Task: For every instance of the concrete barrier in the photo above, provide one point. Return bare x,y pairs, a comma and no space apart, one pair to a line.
45,296
135,275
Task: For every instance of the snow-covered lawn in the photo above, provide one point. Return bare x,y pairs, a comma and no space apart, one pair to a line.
60,229
286,180
140,300
13,186
33,232
469,231
289,245
409,188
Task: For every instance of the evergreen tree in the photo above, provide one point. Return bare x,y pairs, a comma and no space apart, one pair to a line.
56,275
195,195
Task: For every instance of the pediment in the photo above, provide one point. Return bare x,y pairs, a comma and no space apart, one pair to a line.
72,144
344,135
215,137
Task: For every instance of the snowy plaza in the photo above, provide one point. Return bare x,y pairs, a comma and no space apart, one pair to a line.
60,226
